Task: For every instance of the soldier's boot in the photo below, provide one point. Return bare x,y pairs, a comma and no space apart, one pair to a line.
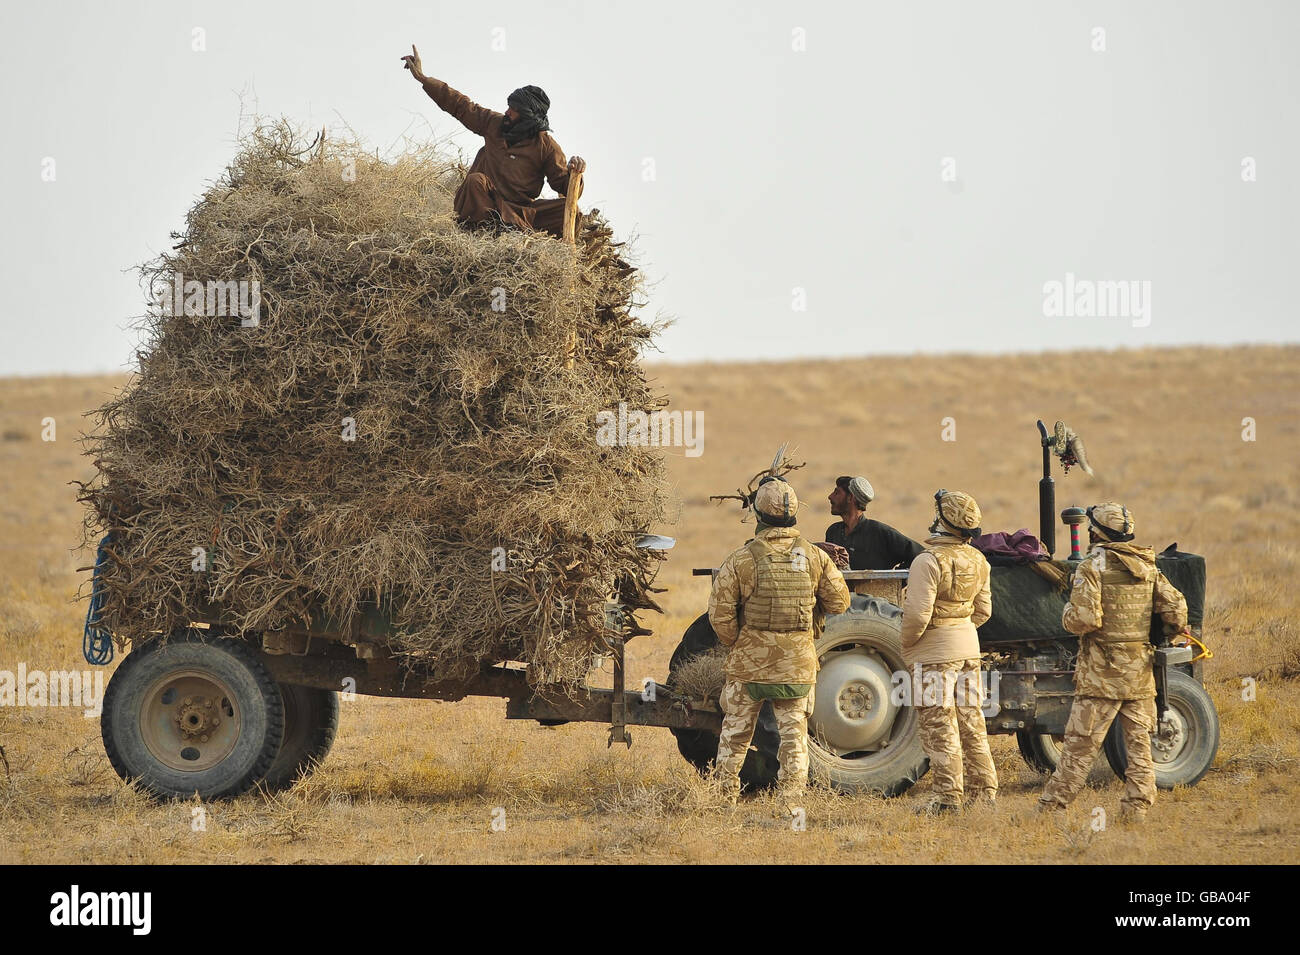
1131,816
723,791
937,807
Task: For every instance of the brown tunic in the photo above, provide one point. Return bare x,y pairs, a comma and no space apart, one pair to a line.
510,177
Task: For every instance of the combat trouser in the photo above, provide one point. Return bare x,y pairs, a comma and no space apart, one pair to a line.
741,716
952,732
1090,719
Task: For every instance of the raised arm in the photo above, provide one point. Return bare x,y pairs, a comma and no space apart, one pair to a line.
477,119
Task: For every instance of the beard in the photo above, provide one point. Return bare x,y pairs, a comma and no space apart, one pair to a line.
519,130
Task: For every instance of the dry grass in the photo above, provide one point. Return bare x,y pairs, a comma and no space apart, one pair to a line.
412,781
702,676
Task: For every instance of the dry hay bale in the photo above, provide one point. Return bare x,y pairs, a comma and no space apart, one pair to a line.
702,676
474,504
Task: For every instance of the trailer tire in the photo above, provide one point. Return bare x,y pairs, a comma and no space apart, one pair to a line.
311,721
190,715
700,747
1185,745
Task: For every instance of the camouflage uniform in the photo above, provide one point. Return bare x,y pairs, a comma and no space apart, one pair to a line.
766,601
1116,589
948,597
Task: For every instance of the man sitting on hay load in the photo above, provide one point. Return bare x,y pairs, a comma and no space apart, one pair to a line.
518,152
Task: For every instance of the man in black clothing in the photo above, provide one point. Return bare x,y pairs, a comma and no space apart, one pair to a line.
864,543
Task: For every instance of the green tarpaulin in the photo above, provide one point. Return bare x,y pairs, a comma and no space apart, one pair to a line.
1028,606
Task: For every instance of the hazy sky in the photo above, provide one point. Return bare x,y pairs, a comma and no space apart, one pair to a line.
756,148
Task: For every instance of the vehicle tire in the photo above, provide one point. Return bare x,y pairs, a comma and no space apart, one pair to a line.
700,747
1041,751
1184,745
859,740
190,716
311,721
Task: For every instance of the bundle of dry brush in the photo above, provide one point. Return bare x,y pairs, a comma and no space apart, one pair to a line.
403,425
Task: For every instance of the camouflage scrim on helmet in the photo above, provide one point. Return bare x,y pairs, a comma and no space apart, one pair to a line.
776,499
958,511
1112,517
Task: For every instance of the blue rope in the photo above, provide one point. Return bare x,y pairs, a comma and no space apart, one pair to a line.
97,642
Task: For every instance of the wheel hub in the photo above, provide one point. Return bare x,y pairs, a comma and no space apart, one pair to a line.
188,721
855,700
1169,738
852,711
197,717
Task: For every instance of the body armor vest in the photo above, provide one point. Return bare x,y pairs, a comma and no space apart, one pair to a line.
959,581
1126,605
784,590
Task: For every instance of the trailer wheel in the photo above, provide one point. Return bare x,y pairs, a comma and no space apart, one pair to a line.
311,720
700,747
192,716
859,739
1186,741
1041,751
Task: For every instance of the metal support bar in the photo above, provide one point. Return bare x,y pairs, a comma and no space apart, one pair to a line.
618,703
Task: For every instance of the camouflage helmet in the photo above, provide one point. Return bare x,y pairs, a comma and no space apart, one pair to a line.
958,512
1112,521
775,502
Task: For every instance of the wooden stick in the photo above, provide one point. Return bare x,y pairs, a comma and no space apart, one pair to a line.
570,237
571,207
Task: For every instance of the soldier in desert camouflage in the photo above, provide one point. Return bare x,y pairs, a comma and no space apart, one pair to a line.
1117,588
765,599
947,598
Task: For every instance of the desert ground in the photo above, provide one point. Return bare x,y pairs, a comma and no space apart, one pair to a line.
419,781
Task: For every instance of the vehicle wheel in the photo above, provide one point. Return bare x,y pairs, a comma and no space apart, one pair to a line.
858,738
311,720
700,747
189,715
1185,742
1041,751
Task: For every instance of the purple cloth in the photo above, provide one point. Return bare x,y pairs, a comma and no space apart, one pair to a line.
1002,548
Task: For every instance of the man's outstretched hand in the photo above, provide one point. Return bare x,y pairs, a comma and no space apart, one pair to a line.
412,63
577,164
